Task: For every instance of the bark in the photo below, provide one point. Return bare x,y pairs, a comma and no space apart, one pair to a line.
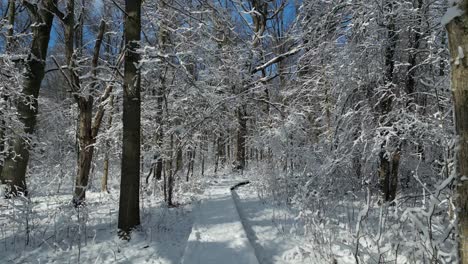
191,157
86,150
259,20
15,166
129,207
165,185
9,48
388,161
170,173
179,161
458,41
11,23
241,139
105,176
410,82
228,150
220,152
159,168
2,145
202,162
160,131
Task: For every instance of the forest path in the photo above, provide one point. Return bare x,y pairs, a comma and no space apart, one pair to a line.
218,235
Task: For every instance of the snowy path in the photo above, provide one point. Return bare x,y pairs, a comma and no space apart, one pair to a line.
217,234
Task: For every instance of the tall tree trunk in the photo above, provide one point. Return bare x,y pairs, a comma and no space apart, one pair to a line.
86,150
415,39
163,40
2,145
389,161
108,50
457,30
9,48
220,152
191,161
259,19
14,170
105,176
241,138
179,157
170,172
159,132
202,157
129,206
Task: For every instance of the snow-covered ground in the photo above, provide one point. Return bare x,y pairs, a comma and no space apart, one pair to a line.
272,230
218,235
245,226
239,227
58,233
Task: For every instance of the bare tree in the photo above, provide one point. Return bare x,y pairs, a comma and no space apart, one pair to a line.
15,166
88,124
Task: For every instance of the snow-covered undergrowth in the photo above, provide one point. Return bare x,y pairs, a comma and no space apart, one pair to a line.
314,226
46,228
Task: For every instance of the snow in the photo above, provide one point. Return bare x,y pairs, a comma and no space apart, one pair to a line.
246,226
273,231
452,12
57,236
460,55
218,235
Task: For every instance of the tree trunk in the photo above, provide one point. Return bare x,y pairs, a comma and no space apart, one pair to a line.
415,38
105,176
458,45
179,160
11,23
163,41
389,162
129,205
220,151
165,185
241,139
202,157
159,133
14,170
86,150
190,157
9,48
2,146
170,173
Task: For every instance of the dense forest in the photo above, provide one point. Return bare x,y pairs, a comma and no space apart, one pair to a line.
346,120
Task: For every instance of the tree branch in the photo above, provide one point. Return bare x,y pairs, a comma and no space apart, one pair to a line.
276,60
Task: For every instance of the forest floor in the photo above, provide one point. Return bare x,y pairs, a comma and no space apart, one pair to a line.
47,229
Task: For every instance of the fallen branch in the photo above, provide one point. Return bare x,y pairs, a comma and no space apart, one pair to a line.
239,185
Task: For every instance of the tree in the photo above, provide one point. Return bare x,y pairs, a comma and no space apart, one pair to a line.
388,160
458,44
89,124
129,207
15,166
9,48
